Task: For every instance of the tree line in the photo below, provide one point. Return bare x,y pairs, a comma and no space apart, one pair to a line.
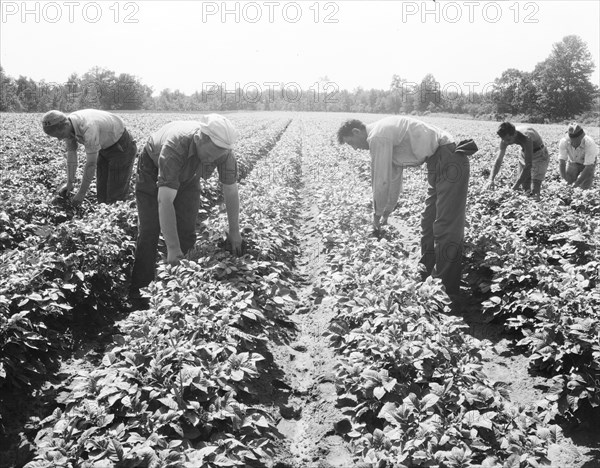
558,88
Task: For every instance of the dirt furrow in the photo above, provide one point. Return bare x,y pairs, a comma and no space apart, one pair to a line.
309,415
503,362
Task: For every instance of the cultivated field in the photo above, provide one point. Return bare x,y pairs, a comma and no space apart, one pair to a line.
319,347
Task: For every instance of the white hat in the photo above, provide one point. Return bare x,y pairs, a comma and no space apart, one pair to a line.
575,130
219,129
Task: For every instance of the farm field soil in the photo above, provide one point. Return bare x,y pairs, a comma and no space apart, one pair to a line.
302,397
502,363
309,414
307,362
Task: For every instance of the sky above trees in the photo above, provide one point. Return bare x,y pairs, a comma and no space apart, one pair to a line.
190,45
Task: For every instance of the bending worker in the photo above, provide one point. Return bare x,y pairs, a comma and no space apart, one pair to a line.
110,152
168,191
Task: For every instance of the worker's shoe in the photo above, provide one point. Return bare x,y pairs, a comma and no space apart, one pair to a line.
136,301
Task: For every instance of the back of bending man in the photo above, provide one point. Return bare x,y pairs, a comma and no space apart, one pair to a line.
110,152
397,142
168,191
534,157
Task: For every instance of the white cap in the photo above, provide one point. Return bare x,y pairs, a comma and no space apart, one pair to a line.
219,129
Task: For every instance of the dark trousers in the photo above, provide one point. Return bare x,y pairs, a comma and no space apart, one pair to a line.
443,220
114,168
186,203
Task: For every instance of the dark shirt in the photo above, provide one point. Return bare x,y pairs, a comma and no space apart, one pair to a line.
174,150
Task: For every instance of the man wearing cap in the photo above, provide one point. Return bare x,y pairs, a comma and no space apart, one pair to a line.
110,152
534,157
398,142
168,190
577,156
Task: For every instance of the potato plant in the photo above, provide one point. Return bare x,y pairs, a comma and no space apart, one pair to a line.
177,385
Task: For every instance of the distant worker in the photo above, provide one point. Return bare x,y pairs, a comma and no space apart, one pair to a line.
168,191
577,157
398,142
110,152
534,160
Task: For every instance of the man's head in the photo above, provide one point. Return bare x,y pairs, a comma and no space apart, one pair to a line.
217,137
56,124
576,134
507,132
353,133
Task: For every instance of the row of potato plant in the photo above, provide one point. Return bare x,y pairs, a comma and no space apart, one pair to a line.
176,390
535,267
409,378
28,207
73,269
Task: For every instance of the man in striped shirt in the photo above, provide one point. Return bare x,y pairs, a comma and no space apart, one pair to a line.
110,152
398,142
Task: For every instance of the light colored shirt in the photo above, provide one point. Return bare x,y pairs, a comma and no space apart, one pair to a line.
94,129
586,153
394,143
174,151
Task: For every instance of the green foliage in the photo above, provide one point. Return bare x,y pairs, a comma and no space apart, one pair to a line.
538,271
177,386
563,81
171,389
409,378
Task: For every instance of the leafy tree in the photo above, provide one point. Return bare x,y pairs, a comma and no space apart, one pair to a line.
397,93
9,99
28,92
508,91
98,89
130,93
429,92
563,79
72,91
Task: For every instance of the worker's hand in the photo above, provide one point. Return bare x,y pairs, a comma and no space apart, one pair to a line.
65,189
235,240
173,256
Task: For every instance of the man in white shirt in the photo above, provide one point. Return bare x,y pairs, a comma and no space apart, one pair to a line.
397,142
577,157
110,152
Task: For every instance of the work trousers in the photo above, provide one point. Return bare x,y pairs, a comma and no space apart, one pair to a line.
114,168
186,203
443,220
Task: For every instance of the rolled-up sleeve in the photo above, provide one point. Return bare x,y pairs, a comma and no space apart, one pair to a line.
170,164
591,152
228,170
381,150
562,150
